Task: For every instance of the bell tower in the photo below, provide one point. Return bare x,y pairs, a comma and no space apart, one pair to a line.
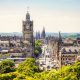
28,35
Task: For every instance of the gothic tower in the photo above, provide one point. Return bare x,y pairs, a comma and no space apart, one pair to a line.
43,35
28,36
60,42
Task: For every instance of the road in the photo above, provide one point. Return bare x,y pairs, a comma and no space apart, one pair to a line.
45,60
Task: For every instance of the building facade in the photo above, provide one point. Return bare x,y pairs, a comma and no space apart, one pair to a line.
68,55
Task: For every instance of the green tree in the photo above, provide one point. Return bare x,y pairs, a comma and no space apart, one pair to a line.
38,49
28,67
7,66
9,76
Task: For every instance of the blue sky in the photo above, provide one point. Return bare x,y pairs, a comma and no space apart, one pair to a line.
54,15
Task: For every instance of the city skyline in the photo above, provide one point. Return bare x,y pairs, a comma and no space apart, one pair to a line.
54,15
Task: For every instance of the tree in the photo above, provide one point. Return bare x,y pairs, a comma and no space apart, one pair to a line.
28,67
7,66
38,49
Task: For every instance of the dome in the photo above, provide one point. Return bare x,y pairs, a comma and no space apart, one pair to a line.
28,16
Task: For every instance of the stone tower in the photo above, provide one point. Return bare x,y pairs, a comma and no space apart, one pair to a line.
28,36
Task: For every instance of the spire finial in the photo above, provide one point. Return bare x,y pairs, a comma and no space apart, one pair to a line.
27,8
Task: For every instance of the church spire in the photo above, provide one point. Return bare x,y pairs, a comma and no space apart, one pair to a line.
27,15
60,40
60,37
27,9
43,35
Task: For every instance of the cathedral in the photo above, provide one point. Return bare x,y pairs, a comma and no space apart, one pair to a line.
28,39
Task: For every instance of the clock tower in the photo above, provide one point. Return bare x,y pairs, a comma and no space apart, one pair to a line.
28,36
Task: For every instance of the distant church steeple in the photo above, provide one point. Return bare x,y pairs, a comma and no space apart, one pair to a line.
43,35
60,37
60,40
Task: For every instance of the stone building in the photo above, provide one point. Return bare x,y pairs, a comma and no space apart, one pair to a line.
69,42
68,55
78,41
28,36
63,51
53,46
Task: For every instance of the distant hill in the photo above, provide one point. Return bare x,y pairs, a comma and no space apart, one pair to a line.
11,34
64,35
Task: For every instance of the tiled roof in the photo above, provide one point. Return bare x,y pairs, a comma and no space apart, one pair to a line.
70,50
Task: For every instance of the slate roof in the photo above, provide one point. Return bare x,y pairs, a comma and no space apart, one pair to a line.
70,50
